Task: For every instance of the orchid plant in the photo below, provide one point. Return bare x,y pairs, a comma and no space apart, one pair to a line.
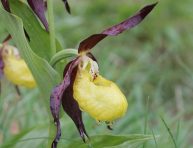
82,87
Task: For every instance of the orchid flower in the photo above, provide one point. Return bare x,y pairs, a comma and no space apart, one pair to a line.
14,67
84,89
38,7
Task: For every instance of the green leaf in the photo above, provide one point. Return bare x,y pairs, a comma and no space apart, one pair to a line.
101,141
45,76
39,38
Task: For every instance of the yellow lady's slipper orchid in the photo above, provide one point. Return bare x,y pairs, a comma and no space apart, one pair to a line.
15,69
83,89
99,97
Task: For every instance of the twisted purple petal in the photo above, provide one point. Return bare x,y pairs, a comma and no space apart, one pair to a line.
5,4
38,7
64,93
129,23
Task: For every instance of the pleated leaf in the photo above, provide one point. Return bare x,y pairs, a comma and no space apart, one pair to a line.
45,76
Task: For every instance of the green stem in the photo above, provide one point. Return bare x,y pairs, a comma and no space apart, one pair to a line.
52,128
63,54
51,26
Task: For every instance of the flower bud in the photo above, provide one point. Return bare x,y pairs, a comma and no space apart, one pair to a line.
15,69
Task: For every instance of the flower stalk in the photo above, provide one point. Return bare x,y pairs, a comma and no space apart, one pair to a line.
53,49
51,26
63,54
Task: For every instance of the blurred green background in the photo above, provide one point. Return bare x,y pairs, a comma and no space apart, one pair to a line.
151,63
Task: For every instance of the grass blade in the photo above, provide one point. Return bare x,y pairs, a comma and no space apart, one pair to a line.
169,131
